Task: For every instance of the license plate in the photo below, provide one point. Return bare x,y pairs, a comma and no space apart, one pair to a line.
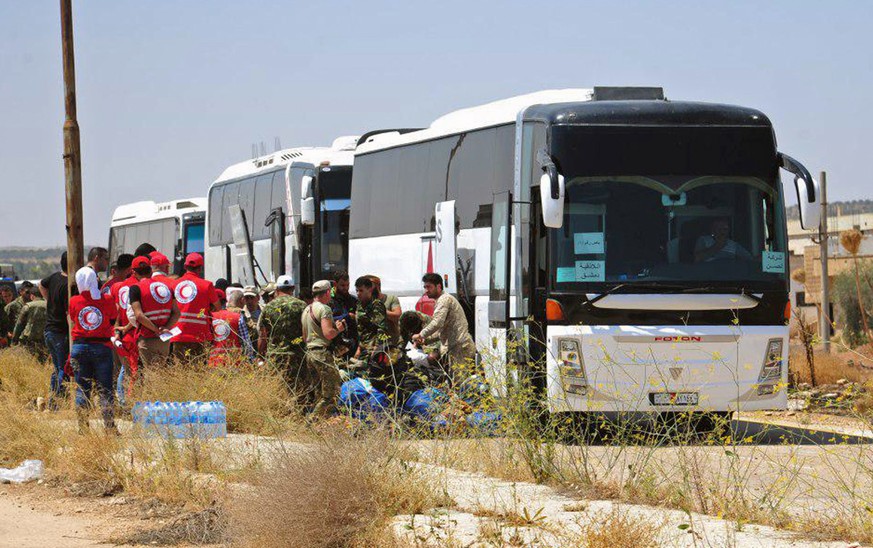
673,398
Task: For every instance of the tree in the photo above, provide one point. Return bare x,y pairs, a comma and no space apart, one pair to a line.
851,242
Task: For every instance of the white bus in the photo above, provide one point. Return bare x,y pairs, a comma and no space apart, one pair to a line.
284,213
627,252
174,228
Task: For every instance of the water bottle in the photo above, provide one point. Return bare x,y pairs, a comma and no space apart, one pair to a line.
203,419
222,419
136,413
160,414
189,410
176,428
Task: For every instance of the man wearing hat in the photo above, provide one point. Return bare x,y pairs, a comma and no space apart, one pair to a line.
161,268
155,312
196,299
267,293
280,335
251,310
319,330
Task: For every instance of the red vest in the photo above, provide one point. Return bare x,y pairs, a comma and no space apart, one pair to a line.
171,282
92,318
225,330
120,295
156,299
194,297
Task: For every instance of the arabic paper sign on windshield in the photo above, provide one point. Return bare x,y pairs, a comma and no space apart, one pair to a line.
588,243
566,274
590,271
773,261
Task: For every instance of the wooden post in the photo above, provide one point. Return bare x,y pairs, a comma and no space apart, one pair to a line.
72,157
825,323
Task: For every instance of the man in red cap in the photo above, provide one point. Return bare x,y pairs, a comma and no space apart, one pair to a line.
155,311
197,300
126,355
161,268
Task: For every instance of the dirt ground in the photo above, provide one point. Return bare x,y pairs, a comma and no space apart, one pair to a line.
41,514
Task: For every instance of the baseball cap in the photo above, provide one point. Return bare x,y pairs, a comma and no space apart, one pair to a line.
156,258
250,291
194,260
284,282
139,262
222,296
321,286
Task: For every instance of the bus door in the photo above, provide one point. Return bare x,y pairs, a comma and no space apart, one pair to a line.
497,349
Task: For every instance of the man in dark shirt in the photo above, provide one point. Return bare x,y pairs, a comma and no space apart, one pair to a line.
57,335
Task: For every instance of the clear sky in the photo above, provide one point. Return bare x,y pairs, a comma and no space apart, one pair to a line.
170,93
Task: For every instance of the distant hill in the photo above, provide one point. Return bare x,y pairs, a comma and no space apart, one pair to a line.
850,207
31,263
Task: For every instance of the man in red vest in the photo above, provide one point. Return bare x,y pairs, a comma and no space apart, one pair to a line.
161,268
127,355
231,343
156,313
197,300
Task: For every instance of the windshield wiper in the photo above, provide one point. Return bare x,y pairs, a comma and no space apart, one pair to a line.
667,287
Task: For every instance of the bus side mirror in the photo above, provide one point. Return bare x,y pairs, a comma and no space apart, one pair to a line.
552,197
808,192
307,201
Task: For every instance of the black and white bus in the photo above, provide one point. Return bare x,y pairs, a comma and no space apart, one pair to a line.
630,248
174,228
284,213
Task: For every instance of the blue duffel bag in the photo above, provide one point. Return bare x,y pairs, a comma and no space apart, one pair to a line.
425,403
359,396
485,423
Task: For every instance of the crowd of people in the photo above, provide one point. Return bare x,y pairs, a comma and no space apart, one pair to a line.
143,317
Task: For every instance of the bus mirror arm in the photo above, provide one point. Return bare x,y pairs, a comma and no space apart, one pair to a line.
808,192
552,196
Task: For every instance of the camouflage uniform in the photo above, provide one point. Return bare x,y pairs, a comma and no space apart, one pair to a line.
12,310
30,327
281,319
372,325
324,374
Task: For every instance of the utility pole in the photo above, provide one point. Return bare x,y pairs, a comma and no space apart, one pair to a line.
825,323
72,157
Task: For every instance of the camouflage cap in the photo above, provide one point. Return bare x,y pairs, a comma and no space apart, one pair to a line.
268,289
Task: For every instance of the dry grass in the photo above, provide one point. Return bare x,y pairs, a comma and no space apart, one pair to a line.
256,398
339,491
24,435
829,368
619,529
22,377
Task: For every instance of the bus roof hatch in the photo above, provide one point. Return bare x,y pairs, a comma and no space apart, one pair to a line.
605,93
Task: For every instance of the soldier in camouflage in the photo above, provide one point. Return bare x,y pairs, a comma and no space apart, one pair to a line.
280,334
370,315
14,308
319,330
30,325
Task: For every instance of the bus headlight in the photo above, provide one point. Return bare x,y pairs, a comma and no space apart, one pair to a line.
572,366
772,367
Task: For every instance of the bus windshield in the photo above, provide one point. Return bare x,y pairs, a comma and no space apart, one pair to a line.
334,188
694,206
699,230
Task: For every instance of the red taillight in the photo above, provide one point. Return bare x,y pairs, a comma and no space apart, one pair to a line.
554,311
788,310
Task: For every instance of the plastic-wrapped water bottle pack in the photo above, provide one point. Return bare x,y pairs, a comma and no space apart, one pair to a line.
190,419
